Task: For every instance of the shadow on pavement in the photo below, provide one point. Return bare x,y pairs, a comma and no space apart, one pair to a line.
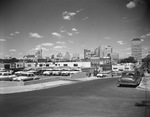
143,104
127,86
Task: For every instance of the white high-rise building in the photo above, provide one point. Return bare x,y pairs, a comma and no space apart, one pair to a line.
136,45
39,54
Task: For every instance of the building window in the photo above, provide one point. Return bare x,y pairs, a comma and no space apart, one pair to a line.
65,65
40,65
120,69
76,65
47,65
114,68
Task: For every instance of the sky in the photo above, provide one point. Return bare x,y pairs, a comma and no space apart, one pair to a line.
72,26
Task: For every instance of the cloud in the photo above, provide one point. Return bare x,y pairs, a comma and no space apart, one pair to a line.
148,34
55,34
11,34
42,46
2,39
134,3
120,42
107,38
68,15
47,44
74,29
17,32
12,50
35,35
70,34
85,18
78,11
131,4
58,47
60,42
44,49
144,36
38,48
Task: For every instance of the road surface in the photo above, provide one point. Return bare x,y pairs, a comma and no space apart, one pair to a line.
97,98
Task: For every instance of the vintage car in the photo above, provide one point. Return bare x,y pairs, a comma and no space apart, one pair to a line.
65,72
104,74
25,76
47,73
6,76
130,78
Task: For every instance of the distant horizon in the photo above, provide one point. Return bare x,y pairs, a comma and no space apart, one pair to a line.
72,26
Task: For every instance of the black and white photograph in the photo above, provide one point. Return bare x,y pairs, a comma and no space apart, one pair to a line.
75,58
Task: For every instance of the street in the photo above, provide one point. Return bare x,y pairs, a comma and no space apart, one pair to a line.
97,98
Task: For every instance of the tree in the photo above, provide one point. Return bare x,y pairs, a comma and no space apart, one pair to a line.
128,60
146,63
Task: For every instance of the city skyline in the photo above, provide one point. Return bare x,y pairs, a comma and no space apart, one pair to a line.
71,26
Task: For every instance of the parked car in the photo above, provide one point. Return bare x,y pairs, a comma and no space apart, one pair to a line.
65,72
104,74
24,76
6,76
47,73
33,71
56,72
130,78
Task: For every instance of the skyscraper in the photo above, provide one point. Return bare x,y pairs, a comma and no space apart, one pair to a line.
136,45
87,54
67,56
105,51
39,54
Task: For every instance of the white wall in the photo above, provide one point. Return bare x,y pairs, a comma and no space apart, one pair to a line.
51,64
30,65
123,67
72,64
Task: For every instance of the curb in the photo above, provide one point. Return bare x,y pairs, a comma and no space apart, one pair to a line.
41,86
144,85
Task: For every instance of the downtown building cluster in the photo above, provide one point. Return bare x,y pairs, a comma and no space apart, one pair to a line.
102,57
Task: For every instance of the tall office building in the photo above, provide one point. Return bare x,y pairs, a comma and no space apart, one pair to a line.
87,54
97,52
136,45
67,56
59,56
39,54
105,51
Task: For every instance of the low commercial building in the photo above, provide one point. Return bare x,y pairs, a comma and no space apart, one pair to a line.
74,64
58,64
123,67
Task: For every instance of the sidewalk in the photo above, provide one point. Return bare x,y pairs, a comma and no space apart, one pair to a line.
25,88
145,83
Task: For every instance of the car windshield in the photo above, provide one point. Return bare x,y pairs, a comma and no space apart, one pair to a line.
128,74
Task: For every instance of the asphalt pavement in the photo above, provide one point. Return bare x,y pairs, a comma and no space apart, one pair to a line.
94,98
